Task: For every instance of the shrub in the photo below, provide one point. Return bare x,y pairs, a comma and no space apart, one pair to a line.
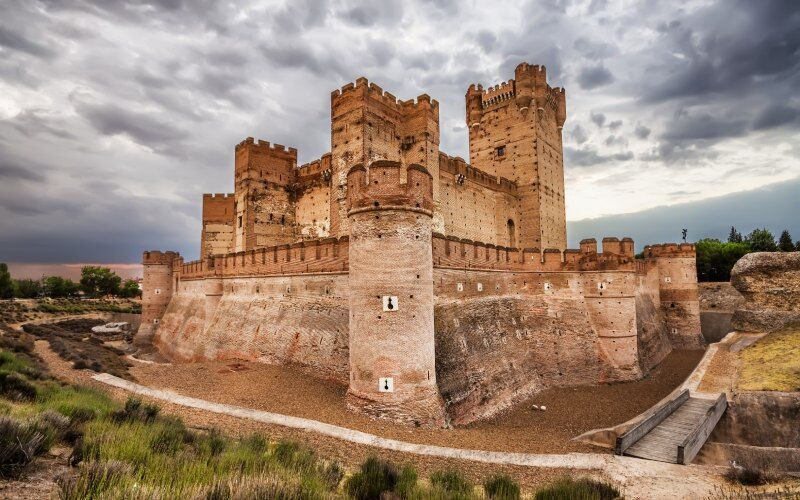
375,477
93,479
135,410
406,485
11,363
331,474
451,481
20,442
293,456
579,489
16,387
501,487
748,475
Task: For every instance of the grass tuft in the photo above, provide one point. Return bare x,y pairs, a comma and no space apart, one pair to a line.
501,487
578,489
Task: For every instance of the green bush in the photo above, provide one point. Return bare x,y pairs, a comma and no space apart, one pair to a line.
375,477
501,487
134,409
16,387
577,489
451,481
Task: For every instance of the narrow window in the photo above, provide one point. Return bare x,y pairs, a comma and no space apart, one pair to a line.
240,221
501,151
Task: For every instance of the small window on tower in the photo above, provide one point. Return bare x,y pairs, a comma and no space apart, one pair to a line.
240,221
501,151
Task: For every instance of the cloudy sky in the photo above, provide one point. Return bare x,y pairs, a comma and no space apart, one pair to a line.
116,116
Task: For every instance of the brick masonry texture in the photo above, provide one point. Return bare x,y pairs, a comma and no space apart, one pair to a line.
488,306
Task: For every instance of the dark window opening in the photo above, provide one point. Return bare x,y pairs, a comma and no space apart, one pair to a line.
240,221
501,151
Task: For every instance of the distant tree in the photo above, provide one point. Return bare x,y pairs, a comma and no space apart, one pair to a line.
797,246
715,259
762,240
97,281
58,287
130,289
734,236
6,285
785,242
27,288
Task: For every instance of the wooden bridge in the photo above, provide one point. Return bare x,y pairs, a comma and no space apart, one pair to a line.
675,431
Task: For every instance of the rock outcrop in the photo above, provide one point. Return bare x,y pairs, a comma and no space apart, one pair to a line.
770,284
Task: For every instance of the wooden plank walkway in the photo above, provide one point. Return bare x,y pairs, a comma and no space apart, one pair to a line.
681,433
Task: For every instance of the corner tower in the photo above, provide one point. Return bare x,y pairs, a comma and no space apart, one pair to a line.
157,289
515,132
392,360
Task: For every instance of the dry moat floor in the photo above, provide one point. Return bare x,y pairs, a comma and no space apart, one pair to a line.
570,411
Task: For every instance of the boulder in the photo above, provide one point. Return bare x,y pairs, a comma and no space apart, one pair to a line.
770,285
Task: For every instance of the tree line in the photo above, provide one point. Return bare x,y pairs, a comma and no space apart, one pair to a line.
716,258
96,281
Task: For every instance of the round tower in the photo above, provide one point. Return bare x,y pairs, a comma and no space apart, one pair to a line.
392,360
157,289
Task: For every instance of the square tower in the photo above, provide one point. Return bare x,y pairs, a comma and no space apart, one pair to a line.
368,124
515,132
265,212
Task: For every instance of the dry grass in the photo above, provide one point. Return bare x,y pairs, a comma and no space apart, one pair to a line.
772,363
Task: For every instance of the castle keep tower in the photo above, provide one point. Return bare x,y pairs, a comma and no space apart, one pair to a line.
157,290
368,124
264,213
392,361
515,132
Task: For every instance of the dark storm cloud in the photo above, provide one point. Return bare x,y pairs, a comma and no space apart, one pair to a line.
145,129
134,106
590,157
597,118
11,170
776,115
757,45
592,77
17,41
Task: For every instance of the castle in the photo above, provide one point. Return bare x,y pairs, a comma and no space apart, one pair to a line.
439,291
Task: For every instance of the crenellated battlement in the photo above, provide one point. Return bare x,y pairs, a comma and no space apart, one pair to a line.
458,166
363,88
157,257
381,187
453,252
498,93
265,146
217,195
326,255
670,250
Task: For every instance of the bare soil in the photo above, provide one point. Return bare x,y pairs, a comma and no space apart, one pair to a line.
570,411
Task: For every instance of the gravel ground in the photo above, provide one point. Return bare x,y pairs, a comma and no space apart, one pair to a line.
570,411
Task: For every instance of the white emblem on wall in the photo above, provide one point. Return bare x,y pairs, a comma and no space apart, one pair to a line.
547,286
386,384
460,287
480,287
390,303
667,279
157,291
